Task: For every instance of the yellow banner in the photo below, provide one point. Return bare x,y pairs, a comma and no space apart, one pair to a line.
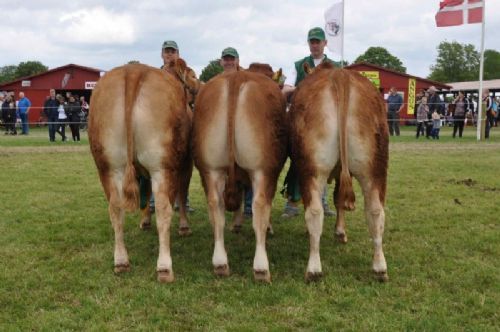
373,76
412,86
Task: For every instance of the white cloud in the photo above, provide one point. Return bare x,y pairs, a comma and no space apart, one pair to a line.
98,26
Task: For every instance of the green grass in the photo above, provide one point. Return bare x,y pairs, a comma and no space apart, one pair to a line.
442,244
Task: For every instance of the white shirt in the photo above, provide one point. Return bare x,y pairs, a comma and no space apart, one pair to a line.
62,114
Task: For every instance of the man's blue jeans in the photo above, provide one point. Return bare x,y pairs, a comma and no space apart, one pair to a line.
24,122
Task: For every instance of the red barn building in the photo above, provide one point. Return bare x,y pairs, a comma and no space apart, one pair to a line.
72,78
406,85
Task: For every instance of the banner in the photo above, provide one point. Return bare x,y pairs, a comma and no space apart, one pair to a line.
334,28
412,87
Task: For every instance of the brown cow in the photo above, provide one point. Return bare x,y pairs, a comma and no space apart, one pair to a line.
239,137
339,128
138,124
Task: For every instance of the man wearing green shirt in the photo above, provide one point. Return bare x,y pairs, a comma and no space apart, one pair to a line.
317,42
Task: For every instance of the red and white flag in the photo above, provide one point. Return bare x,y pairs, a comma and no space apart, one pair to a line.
458,12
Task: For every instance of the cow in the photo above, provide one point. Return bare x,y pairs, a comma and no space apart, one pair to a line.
338,129
240,138
139,125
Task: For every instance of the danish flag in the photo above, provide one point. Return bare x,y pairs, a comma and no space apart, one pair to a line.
458,12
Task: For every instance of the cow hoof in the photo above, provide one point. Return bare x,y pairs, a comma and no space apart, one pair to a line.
145,226
381,276
236,228
313,276
165,276
341,237
262,276
185,231
120,268
221,270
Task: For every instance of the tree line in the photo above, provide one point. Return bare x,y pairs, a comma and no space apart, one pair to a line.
455,62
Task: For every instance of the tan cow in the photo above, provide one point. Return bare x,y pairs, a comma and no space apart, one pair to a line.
339,128
138,124
239,137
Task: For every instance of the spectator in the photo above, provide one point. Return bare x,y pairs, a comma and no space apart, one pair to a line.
316,41
61,118
84,112
10,111
436,124
73,109
394,107
435,104
50,110
24,106
490,111
461,109
4,113
422,111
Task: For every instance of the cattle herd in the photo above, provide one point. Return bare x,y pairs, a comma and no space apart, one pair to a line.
240,134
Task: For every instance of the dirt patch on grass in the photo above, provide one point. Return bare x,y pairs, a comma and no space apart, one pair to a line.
472,183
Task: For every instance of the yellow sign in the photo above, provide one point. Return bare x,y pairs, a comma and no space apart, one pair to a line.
373,76
412,87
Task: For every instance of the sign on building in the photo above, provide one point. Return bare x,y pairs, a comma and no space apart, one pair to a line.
373,76
90,85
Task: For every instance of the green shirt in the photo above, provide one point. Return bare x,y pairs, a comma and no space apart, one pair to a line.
309,59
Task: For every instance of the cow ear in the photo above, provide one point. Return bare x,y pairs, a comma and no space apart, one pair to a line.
307,69
180,65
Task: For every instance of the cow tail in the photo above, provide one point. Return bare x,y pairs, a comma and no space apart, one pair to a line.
130,183
341,85
232,192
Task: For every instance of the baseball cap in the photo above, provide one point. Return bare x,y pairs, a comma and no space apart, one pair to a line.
170,44
316,33
230,51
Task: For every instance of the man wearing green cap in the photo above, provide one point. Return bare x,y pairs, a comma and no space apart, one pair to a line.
169,52
317,42
230,60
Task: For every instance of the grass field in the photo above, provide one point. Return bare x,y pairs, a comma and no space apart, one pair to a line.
442,245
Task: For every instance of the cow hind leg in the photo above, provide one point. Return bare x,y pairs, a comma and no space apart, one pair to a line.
164,211
261,210
117,217
314,216
375,216
340,229
214,188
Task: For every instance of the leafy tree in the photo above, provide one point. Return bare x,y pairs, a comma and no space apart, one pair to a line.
29,68
7,73
381,57
212,69
491,65
455,63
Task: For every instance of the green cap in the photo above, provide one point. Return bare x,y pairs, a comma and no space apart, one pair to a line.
316,33
170,44
230,51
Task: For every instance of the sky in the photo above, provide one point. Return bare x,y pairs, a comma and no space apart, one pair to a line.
106,34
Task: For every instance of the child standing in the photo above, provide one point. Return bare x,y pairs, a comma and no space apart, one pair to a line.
436,125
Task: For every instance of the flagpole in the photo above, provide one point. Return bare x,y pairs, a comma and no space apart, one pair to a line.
481,62
343,29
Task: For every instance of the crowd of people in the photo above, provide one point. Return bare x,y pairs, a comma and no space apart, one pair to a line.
58,112
15,112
